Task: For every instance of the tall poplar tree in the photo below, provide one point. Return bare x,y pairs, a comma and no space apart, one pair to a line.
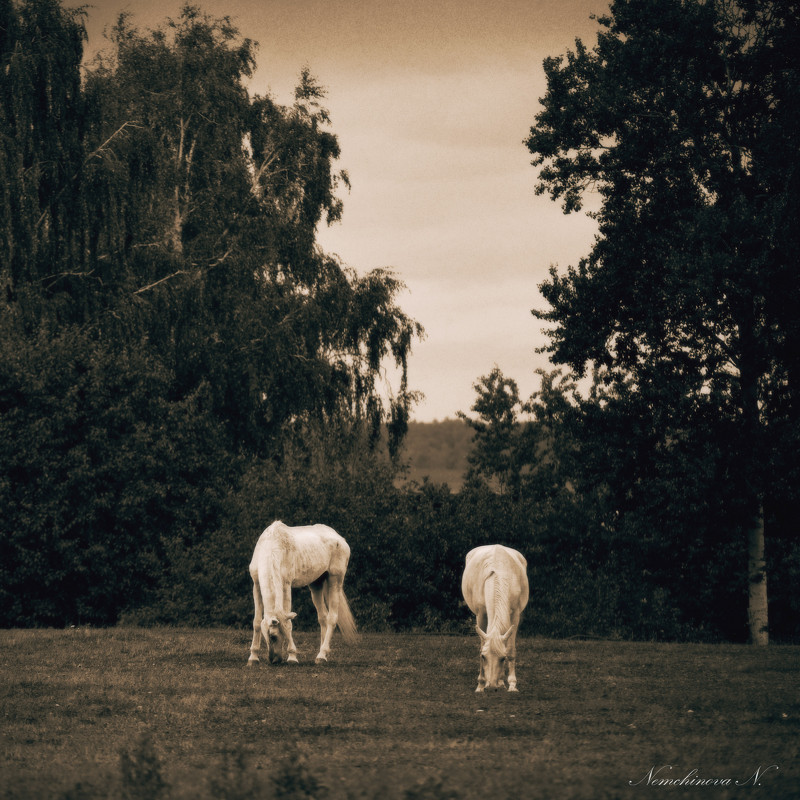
684,119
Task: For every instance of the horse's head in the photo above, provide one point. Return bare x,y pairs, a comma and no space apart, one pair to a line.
493,657
276,634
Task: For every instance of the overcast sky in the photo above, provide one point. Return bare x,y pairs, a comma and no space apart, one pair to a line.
431,101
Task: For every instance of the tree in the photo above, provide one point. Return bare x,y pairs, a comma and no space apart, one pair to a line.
41,46
167,317
495,452
214,244
684,119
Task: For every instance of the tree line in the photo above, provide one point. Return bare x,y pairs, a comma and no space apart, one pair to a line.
683,118
168,319
438,451
180,363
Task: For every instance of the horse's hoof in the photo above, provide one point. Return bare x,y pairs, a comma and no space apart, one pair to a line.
479,689
321,660
252,662
513,689
292,660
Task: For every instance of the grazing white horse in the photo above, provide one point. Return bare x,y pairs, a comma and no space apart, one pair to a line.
314,556
495,587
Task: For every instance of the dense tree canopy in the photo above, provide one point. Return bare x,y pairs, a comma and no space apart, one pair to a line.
683,118
180,363
167,315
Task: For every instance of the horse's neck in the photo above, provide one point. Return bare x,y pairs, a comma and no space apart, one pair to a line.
272,580
497,596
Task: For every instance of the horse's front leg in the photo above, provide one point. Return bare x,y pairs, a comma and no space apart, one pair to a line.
257,617
291,649
481,678
511,654
481,620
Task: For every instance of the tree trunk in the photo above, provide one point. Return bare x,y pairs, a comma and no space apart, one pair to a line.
757,580
176,230
752,463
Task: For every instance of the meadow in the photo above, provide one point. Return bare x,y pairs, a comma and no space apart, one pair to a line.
175,713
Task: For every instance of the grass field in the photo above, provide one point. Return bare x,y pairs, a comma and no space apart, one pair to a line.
163,713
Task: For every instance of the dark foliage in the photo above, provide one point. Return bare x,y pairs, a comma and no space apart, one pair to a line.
678,119
167,317
180,365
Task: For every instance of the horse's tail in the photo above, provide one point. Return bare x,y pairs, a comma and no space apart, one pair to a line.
347,625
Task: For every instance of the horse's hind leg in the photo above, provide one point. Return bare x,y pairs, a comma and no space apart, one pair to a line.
257,617
332,592
318,596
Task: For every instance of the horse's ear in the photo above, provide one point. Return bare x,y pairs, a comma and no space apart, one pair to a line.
481,633
291,615
507,635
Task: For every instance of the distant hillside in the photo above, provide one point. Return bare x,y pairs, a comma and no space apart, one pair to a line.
437,451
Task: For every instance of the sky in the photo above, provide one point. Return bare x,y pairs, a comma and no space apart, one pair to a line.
431,101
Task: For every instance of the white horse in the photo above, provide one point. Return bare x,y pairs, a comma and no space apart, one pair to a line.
314,556
495,587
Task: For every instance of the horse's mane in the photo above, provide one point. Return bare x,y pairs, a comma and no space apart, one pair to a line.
281,547
281,535
501,591
495,644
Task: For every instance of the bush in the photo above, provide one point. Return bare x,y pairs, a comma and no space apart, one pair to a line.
100,472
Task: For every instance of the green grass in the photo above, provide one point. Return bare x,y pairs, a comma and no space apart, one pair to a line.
175,713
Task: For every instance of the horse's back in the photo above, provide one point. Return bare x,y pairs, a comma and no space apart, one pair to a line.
327,535
481,562
308,551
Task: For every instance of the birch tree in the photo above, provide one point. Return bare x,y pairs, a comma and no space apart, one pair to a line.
167,317
220,195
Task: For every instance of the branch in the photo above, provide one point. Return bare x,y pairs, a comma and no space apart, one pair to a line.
221,258
58,275
85,162
161,280
105,143
183,272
